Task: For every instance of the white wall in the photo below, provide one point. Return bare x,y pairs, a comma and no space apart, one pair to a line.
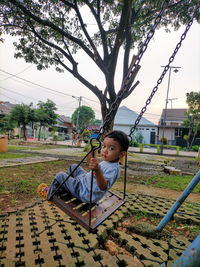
144,130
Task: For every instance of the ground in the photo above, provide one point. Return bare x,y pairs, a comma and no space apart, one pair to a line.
143,208
16,179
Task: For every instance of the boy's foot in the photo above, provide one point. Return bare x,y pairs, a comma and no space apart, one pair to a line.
43,190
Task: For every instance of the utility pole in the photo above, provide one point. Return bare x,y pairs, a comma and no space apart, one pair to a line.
172,99
77,119
78,113
165,111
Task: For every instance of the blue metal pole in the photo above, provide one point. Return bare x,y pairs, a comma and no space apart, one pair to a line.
191,256
179,201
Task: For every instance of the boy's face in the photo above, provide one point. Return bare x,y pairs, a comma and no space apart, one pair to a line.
111,150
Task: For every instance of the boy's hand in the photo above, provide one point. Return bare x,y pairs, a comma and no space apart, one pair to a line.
101,181
94,164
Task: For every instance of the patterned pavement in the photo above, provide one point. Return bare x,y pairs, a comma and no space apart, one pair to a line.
42,235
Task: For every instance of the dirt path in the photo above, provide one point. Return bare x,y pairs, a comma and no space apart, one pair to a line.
161,192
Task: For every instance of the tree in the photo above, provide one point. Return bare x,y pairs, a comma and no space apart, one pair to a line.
193,117
45,114
22,115
51,32
85,116
96,122
6,125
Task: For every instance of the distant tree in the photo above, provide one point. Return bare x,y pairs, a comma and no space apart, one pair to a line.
22,115
85,116
192,122
45,114
50,33
6,125
96,122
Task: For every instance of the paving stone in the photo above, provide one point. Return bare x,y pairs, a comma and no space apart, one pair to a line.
141,249
153,246
179,242
23,161
174,254
43,235
108,260
148,263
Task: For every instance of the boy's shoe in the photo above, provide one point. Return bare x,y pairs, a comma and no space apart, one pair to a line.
43,190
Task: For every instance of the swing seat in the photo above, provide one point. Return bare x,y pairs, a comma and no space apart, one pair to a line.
79,211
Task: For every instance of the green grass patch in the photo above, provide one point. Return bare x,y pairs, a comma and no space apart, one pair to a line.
43,147
9,155
175,182
22,180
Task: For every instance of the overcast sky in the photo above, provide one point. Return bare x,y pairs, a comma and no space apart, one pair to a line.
31,85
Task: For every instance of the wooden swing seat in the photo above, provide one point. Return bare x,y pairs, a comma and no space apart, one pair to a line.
79,211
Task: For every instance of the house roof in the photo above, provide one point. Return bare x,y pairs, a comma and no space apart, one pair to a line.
126,116
174,115
63,118
5,107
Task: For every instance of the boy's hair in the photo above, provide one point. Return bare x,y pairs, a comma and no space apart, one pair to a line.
121,138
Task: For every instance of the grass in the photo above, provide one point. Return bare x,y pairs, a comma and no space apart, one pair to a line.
175,182
20,183
8,155
42,147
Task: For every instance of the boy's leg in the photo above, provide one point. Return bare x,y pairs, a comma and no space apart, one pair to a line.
77,172
70,185
59,178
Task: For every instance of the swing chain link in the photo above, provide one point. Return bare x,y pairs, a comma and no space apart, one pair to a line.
166,68
150,34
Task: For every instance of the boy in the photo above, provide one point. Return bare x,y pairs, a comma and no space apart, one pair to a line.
106,173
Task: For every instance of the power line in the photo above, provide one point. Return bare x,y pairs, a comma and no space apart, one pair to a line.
38,85
17,93
9,97
29,97
15,75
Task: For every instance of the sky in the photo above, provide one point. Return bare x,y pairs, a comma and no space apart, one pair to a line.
21,82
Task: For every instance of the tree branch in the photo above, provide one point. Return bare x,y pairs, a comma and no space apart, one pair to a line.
56,28
101,29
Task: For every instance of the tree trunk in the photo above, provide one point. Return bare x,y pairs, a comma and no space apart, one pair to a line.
24,129
191,143
108,118
39,132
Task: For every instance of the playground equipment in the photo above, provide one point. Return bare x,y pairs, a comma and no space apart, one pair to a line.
100,212
105,209
179,201
191,256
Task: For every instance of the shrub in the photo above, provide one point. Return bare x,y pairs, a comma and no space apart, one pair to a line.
195,148
134,143
164,140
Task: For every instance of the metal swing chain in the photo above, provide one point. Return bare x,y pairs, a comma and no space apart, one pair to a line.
150,34
159,81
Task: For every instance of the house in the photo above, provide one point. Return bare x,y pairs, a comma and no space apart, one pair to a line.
5,108
171,123
146,130
64,127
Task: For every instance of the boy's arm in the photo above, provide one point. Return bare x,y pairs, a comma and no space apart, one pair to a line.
101,180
